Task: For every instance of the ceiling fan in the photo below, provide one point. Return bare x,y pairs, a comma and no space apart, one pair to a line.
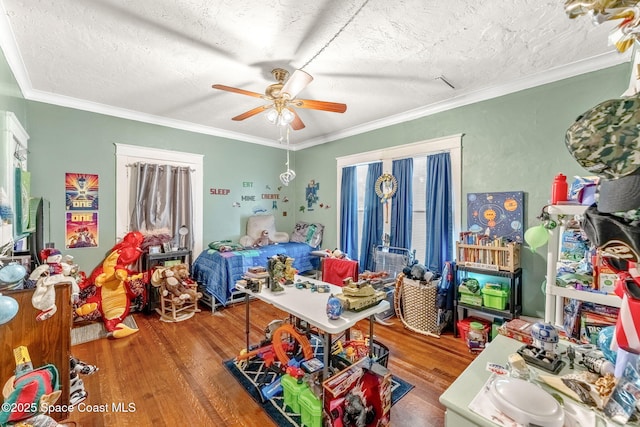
282,99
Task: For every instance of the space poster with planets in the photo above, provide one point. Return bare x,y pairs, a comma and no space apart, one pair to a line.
496,214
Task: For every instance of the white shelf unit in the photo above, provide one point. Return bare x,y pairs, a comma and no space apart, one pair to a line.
553,312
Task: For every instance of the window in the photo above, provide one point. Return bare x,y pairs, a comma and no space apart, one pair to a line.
419,152
127,155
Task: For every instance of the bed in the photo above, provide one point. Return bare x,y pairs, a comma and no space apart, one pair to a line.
217,272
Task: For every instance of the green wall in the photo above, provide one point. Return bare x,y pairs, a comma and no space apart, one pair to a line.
11,98
514,142
68,140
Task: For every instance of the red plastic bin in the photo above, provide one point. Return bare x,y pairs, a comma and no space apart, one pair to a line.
464,326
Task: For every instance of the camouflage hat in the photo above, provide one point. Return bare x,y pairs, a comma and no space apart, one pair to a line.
605,140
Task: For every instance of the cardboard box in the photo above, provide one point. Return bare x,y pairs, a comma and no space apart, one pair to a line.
364,382
518,329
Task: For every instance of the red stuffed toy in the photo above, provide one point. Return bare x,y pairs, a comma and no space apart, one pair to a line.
112,280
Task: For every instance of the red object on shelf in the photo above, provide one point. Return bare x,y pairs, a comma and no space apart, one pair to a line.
560,189
465,324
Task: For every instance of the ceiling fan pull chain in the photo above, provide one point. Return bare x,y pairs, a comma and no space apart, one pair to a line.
336,34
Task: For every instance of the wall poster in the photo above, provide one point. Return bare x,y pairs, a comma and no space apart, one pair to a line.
496,214
81,230
81,201
81,191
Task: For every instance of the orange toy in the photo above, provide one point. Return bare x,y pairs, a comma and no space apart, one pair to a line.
111,279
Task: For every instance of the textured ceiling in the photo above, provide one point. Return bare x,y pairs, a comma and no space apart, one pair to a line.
155,60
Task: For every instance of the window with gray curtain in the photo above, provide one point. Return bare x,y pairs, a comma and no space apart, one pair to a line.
162,201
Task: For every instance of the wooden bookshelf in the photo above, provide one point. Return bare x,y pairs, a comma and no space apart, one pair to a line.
489,257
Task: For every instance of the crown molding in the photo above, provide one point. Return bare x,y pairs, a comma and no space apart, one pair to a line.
14,59
595,63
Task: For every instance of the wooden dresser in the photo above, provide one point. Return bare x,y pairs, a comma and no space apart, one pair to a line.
48,341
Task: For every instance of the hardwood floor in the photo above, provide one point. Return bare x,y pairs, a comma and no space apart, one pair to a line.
171,374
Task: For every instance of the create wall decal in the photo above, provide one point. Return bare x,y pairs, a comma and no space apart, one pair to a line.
311,194
496,214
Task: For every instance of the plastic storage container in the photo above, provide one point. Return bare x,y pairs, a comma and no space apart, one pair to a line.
468,297
477,336
310,409
292,389
494,297
464,326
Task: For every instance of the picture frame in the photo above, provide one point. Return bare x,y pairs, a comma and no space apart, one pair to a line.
166,247
155,249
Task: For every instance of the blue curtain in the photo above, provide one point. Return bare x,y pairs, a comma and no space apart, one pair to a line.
372,227
349,212
439,201
402,204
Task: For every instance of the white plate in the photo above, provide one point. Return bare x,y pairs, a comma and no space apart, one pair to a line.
526,403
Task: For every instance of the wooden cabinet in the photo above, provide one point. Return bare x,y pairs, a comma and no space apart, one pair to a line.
48,341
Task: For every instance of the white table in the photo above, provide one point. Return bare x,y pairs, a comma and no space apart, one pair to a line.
311,307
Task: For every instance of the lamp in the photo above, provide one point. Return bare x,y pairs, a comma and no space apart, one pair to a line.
298,81
183,231
279,114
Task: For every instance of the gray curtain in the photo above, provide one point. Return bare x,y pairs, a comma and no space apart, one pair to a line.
162,201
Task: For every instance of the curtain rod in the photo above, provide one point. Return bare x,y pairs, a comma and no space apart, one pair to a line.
129,165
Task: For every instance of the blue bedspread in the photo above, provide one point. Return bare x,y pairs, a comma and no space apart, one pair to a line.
219,271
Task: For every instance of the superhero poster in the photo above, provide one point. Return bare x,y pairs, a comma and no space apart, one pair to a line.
81,230
81,191
496,214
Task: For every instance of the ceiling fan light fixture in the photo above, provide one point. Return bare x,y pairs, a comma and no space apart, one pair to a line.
298,81
272,116
286,116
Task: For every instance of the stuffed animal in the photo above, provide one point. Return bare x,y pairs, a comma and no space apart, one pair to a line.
175,281
187,284
112,283
263,240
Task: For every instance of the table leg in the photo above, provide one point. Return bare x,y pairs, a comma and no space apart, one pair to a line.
372,320
327,352
246,317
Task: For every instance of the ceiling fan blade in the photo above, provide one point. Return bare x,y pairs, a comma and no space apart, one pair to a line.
297,123
333,107
236,90
298,81
251,113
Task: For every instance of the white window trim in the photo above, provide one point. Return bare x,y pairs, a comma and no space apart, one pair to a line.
127,155
451,144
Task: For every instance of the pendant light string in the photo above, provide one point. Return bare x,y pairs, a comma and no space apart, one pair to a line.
289,175
335,35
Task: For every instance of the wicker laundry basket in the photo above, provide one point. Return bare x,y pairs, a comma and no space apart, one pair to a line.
415,305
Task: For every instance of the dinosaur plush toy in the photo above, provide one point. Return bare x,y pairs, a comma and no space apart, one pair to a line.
112,280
